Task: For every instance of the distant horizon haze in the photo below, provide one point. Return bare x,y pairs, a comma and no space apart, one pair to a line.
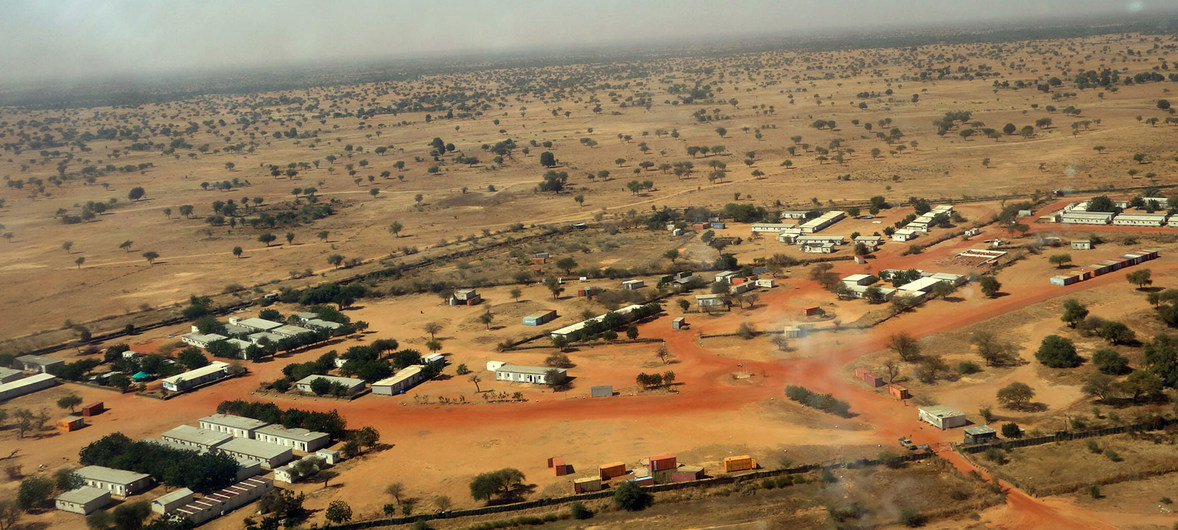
73,40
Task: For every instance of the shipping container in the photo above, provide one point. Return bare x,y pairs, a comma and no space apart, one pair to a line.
662,476
739,463
540,317
539,261
698,226
587,485
687,474
661,463
608,471
812,310
70,424
643,481
93,409
602,391
873,379
898,392
679,323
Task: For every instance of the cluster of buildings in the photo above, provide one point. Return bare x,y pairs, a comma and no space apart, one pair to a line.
1077,213
921,224
255,444
569,330
737,284
244,332
804,234
1105,267
857,285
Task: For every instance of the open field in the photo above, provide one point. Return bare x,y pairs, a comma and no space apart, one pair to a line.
727,397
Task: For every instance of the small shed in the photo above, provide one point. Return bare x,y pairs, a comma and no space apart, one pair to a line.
602,391
70,424
1082,244
93,409
980,434
169,502
679,323
633,285
942,417
330,456
84,500
794,332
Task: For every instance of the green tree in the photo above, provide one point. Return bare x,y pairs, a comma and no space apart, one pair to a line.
267,238
1140,278
1074,312
486,318
905,346
990,286
151,256
130,516
1059,260
338,512
567,264
1015,395
237,252
1058,352
1110,362
136,193
396,228
34,493
547,159
69,402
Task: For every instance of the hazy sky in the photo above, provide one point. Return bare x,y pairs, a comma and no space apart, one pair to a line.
55,39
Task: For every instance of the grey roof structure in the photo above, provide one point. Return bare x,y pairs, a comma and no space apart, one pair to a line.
107,474
237,422
254,448
198,436
298,433
82,495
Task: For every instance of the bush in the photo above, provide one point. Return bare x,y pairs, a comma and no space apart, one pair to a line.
1113,455
630,496
1011,430
968,367
911,518
995,455
579,511
1110,362
1094,447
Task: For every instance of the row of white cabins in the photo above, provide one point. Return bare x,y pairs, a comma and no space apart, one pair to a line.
1077,213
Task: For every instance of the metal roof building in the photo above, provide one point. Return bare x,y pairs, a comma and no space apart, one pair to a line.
193,437
26,385
266,454
84,500
529,374
352,385
302,439
117,481
238,426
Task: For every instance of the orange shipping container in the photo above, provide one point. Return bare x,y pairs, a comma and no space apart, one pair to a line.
661,463
609,471
898,392
739,463
70,423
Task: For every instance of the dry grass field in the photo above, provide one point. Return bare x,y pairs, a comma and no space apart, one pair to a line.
349,171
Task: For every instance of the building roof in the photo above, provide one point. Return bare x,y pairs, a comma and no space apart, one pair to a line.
921,285
320,323
534,370
979,429
941,411
107,474
82,495
579,325
856,277
173,496
196,435
405,373
40,360
297,433
346,381
290,330
211,368
306,316
204,337
236,422
6,372
259,323
26,381
254,448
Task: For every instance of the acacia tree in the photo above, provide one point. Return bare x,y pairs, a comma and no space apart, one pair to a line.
1073,312
396,228
151,256
1140,278
905,346
1016,395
